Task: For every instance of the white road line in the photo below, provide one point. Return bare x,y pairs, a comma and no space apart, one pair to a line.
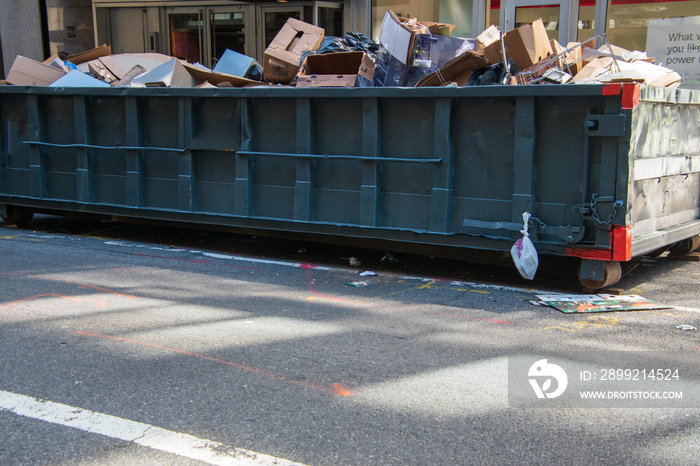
257,260
177,443
686,309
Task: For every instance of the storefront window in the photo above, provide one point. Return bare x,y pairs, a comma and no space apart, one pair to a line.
627,19
457,12
586,20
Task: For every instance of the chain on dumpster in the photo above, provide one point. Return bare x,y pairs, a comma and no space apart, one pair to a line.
596,216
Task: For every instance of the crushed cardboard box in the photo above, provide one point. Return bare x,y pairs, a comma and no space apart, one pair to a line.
28,72
457,70
427,27
282,57
526,45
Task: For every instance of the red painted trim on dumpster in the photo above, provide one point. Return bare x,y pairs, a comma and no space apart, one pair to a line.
612,89
590,253
630,95
621,239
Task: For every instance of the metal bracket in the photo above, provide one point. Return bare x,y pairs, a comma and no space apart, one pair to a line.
3,210
606,125
570,234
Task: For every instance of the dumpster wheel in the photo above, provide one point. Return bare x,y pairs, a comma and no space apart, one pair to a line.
686,246
15,215
612,274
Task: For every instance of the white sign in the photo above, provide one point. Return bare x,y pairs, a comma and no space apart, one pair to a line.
675,43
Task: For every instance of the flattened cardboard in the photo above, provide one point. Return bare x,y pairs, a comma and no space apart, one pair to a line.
282,58
526,45
98,68
90,55
137,70
28,72
456,70
78,79
120,64
428,27
397,38
342,69
202,75
170,74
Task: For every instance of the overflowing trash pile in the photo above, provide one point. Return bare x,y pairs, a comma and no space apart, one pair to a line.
409,53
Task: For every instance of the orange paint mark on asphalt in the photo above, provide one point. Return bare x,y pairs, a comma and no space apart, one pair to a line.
80,285
95,302
337,389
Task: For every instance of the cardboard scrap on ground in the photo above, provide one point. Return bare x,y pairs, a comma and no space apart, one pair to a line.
580,303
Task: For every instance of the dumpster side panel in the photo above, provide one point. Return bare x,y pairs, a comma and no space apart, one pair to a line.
440,166
335,195
665,148
107,128
15,156
273,129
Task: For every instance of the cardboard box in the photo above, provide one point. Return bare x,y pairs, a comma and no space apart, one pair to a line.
282,58
488,37
342,69
398,39
458,70
28,72
237,64
526,45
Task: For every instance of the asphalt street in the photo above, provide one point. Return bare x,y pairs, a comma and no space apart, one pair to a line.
138,344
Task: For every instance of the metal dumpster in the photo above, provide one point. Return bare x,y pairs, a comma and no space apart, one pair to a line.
608,172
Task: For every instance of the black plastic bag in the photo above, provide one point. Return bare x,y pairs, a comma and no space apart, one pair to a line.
493,74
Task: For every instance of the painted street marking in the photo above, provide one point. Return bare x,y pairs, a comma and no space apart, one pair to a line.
80,285
256,260
470,284
592,321
686,309
337,389
145,435
94,302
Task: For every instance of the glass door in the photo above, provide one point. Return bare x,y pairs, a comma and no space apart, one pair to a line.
230,28
271,19
329,16
186,34
556,16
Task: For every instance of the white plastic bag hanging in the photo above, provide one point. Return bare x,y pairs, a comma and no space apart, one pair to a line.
524,253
